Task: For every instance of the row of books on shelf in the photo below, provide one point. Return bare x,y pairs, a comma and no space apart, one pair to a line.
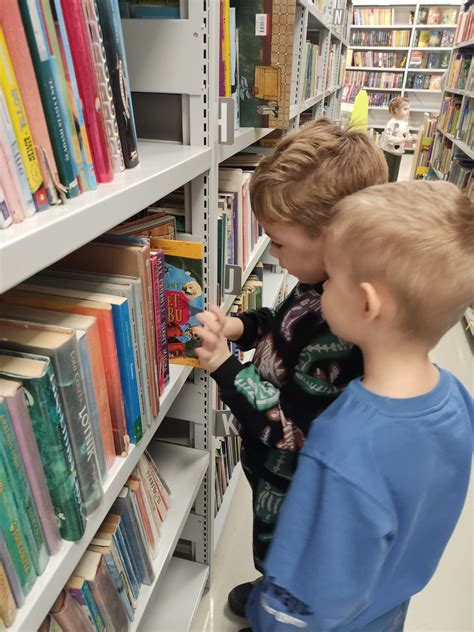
381,38
438,15
150,9
370,79
66,119
461,73
309,83
433,38
373,17
331,78
103,590
227,455
376,59
454,168
465,30
426,136
450,114
255,61
419,59
376,99
424,81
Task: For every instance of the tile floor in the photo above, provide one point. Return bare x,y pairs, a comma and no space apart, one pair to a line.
444,606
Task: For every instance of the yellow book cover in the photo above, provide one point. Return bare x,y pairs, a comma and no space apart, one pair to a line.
226,48
184,289
21,127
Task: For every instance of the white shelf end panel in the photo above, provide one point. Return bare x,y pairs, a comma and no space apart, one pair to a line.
226,502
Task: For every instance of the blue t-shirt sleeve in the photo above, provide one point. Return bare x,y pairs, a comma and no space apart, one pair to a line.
329,547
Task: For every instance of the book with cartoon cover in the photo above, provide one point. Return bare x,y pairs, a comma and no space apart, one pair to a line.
184,296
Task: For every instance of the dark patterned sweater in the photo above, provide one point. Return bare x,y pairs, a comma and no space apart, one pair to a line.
299,368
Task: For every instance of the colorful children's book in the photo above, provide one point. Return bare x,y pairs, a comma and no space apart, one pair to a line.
51,434
117,64
20,123
48,84
69,614
61,346
21,59
266,29
184,296
80,592
14,397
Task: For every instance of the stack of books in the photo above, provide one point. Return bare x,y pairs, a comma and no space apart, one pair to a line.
103,590
66,118
424,81
434,38
376,59
438,15
373,17
419,59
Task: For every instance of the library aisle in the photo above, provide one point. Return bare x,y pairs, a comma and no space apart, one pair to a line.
444,606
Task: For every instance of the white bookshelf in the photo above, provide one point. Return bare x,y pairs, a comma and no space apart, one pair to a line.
421,99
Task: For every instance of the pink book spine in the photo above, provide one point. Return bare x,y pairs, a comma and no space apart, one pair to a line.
25,75
80,44
29,450
11,189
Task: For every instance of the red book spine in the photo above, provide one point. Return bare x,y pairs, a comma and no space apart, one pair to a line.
80,44
157,320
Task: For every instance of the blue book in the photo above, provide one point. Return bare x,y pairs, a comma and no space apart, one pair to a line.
130,568
114,572
124,507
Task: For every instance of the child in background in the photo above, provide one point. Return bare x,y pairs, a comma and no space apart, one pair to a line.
299,367
395,135
383,475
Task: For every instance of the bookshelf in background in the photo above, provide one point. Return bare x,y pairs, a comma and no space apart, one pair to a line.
400,50
453,149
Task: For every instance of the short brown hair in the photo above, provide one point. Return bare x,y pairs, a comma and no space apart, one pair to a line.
312,169
417,238
397,103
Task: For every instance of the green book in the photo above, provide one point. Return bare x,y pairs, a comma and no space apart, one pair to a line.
22,494
49,426
12,530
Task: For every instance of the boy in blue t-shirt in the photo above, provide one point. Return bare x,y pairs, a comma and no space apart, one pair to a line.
383,474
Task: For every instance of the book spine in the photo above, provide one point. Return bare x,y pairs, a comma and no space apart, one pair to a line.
132,314
103,81
107,599
84,153
152,488
44,67
142,537
128,376
123,574
119,585
7,602
117,63
163,334
25,74
52,436
22,493
80,596
14,157
124,551
70,378
7,562
11,192
81,50
29,451
123,506
157,321
5,215
141,339
69,614
12,529
92,405
21,126
144,517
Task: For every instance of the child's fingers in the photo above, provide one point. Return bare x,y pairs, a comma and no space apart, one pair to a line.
209,320
219,314
209,339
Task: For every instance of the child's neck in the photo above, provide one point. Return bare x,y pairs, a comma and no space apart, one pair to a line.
400,372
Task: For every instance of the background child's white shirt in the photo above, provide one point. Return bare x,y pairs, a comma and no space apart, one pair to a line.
393,139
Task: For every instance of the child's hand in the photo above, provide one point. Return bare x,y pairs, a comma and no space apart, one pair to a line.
214,351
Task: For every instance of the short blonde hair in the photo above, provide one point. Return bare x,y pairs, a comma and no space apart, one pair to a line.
417,238
311,170
397,103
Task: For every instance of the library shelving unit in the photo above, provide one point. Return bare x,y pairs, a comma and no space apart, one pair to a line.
403,64
173,67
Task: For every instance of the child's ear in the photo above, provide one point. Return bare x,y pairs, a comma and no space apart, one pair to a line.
371,301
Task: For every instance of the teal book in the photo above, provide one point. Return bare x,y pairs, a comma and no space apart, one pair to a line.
21,490
80,592
60,345
15,537
45,69
52,437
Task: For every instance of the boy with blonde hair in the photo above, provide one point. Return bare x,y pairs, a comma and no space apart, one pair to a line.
383,475
299,367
